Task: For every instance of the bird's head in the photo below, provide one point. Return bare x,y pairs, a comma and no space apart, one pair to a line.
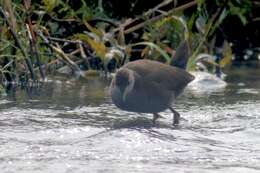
125,80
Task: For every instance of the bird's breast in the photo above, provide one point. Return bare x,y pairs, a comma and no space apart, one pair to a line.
143,99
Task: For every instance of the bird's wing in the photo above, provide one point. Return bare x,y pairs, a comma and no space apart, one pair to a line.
166,76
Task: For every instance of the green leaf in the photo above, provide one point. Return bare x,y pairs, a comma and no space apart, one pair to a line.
50,4
200,4
152,45
227,55
99,47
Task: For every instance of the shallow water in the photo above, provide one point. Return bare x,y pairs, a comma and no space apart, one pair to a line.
71,126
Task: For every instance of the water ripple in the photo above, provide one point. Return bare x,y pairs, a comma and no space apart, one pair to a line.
217,133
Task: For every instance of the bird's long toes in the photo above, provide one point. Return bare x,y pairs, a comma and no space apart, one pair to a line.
176,122
176,118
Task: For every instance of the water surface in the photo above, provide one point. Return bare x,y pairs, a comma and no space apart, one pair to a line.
67,126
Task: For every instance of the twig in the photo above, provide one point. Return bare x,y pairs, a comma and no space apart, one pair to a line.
142,24
98,19
83,54
8,64
74,52
256,4
62,40
17,42
146,14
61,53
32,37
71,63
34,49
256,19
164,3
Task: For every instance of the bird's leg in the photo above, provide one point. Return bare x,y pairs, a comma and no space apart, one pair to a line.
155,117
176,116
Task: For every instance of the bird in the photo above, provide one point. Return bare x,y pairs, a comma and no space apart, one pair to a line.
148,86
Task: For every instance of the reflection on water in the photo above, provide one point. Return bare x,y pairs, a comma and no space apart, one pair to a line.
71,126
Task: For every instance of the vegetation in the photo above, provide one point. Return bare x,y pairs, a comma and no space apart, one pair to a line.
83,37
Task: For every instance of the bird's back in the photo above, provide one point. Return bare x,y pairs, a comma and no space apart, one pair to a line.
169,77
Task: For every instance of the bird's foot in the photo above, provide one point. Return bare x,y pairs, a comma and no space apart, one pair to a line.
155,117
176,117
176,120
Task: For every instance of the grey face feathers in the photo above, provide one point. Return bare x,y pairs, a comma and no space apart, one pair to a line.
122,79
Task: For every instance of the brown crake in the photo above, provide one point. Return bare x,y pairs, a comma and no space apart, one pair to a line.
147,86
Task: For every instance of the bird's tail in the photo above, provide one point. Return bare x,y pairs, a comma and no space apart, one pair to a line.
181,56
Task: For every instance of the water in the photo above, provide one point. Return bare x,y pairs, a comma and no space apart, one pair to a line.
71,126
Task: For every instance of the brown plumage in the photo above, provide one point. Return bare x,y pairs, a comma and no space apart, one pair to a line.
148,86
